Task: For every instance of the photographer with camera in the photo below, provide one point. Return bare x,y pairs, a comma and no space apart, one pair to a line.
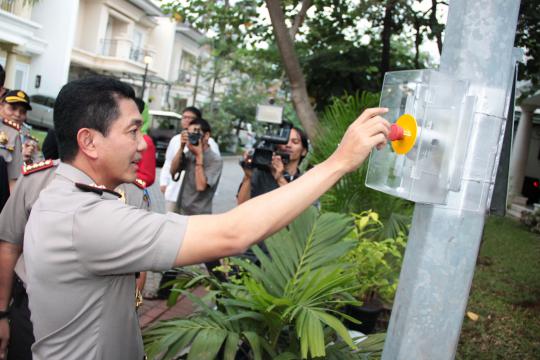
283,168
202,170
170,188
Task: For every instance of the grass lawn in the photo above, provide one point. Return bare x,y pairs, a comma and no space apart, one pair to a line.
506,296
39,134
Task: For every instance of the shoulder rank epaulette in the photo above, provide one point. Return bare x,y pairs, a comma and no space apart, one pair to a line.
96,189
12,124
32,168
140,183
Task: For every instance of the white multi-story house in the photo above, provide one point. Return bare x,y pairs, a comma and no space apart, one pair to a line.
20,42
45,45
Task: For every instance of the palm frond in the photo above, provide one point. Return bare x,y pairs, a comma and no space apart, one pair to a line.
287,305
367,348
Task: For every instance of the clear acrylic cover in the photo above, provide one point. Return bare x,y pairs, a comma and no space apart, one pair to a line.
443,114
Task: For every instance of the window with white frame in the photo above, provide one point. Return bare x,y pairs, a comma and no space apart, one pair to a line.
21,76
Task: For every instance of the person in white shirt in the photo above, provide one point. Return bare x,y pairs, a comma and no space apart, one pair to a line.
168,187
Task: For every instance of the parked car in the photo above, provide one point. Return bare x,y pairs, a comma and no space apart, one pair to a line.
41,114
163,126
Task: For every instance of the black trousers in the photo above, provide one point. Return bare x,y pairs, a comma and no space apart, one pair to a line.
4,183
22,334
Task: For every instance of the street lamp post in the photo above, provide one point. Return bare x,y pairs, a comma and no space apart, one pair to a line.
147,61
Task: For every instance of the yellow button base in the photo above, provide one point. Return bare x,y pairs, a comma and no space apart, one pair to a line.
410,129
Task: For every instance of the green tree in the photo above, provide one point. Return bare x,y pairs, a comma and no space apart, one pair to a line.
340,56
528,37
323,54
235,23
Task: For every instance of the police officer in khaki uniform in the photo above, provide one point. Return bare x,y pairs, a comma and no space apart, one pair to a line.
11,150
14,105
77,284
13,220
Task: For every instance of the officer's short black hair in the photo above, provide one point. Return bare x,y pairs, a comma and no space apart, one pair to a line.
50,145
86,103
2,76
205,126
194,110
140,104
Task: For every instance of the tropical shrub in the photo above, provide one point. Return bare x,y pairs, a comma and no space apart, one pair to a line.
350,194
284,308
377,262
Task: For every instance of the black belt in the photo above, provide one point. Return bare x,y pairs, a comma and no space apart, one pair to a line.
18,292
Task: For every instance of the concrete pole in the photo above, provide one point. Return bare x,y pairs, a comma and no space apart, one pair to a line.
520,151
443,243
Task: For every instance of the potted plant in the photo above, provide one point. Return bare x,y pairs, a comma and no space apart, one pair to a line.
286,308
377,264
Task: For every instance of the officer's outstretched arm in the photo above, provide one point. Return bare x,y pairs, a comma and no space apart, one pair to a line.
210,237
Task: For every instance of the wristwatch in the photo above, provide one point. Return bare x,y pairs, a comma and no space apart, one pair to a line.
4,314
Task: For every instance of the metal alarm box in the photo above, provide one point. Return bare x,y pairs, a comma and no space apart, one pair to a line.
431,116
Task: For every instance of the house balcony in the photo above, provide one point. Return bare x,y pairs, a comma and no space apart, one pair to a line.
114,55
18,30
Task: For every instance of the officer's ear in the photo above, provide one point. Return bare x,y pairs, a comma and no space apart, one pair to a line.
86,139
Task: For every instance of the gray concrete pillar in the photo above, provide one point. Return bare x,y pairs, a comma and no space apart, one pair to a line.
11,60
520,151
443,243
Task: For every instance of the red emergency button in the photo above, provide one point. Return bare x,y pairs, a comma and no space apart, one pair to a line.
403,134
396,132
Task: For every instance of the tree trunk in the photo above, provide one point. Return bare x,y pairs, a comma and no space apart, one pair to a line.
215,78
434,24
385,38
197,75
299,93
417,43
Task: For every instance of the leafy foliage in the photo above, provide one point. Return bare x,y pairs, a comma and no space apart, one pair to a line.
528,37
377,263
229,21
339,45
238,107
350,195
284,308
343,49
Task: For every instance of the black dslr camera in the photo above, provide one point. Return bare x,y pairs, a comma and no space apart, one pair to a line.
266,147
194,138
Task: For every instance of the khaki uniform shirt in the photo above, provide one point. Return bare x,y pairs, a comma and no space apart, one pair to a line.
82,248
17,209
11,148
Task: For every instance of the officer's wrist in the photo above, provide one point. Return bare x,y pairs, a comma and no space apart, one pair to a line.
4,314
